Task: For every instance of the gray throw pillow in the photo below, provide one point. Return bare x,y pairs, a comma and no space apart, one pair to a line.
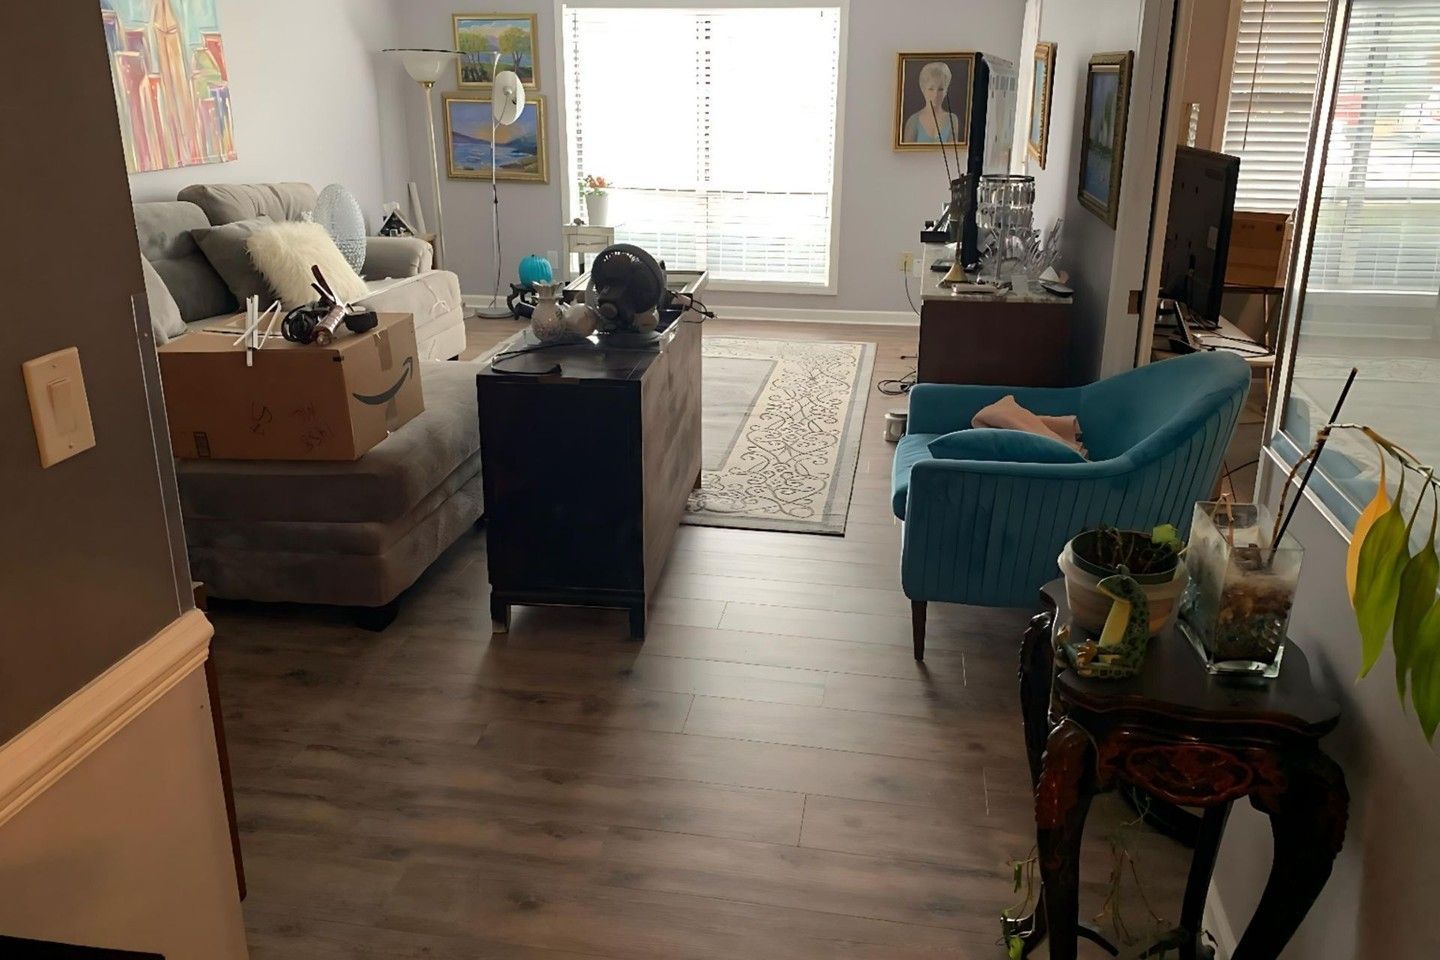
165,320
225,247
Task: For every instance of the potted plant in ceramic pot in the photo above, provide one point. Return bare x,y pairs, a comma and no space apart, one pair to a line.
1153,560
593,190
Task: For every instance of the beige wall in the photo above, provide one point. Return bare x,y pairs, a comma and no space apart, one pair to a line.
1207,68
130,849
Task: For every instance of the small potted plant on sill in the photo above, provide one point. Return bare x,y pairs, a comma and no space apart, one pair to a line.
1152,560
594,191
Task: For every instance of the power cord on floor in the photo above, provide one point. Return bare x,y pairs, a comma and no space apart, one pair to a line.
897,388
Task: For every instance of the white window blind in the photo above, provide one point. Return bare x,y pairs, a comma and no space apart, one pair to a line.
674,108
1378,226
1278,47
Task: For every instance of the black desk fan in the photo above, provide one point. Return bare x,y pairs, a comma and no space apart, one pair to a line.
627,291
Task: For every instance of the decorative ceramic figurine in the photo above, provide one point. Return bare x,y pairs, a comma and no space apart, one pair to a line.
1125,638
579,320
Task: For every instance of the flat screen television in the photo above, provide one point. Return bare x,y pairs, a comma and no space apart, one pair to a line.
1197,238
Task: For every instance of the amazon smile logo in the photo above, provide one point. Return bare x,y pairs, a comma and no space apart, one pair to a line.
385,396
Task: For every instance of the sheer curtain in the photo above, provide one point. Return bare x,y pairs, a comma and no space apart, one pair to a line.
722,157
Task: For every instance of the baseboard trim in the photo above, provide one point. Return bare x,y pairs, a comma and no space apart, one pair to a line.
884,318
1218,923
50,747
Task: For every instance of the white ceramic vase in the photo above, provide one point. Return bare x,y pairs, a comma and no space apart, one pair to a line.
548,322
597,209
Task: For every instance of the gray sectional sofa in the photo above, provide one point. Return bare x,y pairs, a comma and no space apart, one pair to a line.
346,533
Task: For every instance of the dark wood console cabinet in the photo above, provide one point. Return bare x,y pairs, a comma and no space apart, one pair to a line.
588,454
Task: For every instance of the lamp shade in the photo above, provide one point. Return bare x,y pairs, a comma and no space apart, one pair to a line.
424,64
507,97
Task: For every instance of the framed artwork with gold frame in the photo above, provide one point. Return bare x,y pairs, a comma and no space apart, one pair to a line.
479,36
1037,140
932,100
520,146
1102,140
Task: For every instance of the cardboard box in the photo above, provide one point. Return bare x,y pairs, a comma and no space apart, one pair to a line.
298,401
1259,244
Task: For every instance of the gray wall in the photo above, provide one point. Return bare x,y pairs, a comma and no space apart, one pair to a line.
307,104
85,566
1104,262
1385,882
884,194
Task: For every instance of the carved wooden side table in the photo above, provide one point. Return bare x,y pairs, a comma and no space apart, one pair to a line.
1190,739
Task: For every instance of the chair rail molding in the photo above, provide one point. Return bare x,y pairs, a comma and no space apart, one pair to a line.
52,746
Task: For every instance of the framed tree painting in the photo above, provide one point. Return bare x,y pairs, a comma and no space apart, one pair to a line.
1102,142
932,100
1037,141
518,148
479,36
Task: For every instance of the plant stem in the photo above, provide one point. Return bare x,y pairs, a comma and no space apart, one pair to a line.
1319,447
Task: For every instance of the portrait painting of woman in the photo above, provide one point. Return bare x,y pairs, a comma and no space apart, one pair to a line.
932,100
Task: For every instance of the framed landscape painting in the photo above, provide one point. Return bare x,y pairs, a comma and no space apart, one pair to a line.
172,90
519,148
932,100
1102,144
1037,141
479,36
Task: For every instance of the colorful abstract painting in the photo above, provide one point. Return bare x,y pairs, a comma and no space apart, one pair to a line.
171,87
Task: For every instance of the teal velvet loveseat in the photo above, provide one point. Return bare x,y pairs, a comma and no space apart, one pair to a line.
988,533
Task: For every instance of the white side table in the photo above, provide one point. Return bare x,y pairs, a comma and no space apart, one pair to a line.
582,240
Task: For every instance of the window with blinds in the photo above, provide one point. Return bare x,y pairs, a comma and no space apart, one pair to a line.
1278,46
674,108
1378,226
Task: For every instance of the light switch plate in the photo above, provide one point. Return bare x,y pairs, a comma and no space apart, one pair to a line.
58,406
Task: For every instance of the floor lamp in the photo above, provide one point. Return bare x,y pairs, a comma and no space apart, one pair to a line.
425,65
507,102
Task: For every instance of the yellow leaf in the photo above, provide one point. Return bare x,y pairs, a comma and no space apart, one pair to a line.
1377,509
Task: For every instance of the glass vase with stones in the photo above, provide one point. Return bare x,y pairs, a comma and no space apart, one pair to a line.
1236,611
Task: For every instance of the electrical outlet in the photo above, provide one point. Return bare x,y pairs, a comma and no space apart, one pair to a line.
907,262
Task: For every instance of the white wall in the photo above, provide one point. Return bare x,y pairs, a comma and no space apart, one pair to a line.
303,80
1104,263
884,194
1385,882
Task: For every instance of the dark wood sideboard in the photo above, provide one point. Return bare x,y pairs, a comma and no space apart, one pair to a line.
589,454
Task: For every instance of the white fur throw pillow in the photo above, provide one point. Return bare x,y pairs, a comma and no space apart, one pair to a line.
284,254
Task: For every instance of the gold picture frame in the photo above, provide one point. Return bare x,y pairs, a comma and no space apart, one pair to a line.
468,115
472,29
911,104
1042,75
1102,138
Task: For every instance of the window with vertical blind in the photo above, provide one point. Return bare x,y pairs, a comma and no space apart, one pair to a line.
1278,46
1378,227
1370,294
678,109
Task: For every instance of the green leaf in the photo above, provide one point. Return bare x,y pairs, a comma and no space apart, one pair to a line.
1166,533
1425,672
1014,948
1382,556
1417,595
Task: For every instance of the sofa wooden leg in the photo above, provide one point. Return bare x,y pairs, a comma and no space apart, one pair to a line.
917,627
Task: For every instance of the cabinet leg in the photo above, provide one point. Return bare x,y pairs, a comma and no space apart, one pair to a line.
917,627
499,615
1202,868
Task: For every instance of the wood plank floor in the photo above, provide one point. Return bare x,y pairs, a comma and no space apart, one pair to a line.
769,774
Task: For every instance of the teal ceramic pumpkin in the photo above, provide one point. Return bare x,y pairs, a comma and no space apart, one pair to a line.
535,269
